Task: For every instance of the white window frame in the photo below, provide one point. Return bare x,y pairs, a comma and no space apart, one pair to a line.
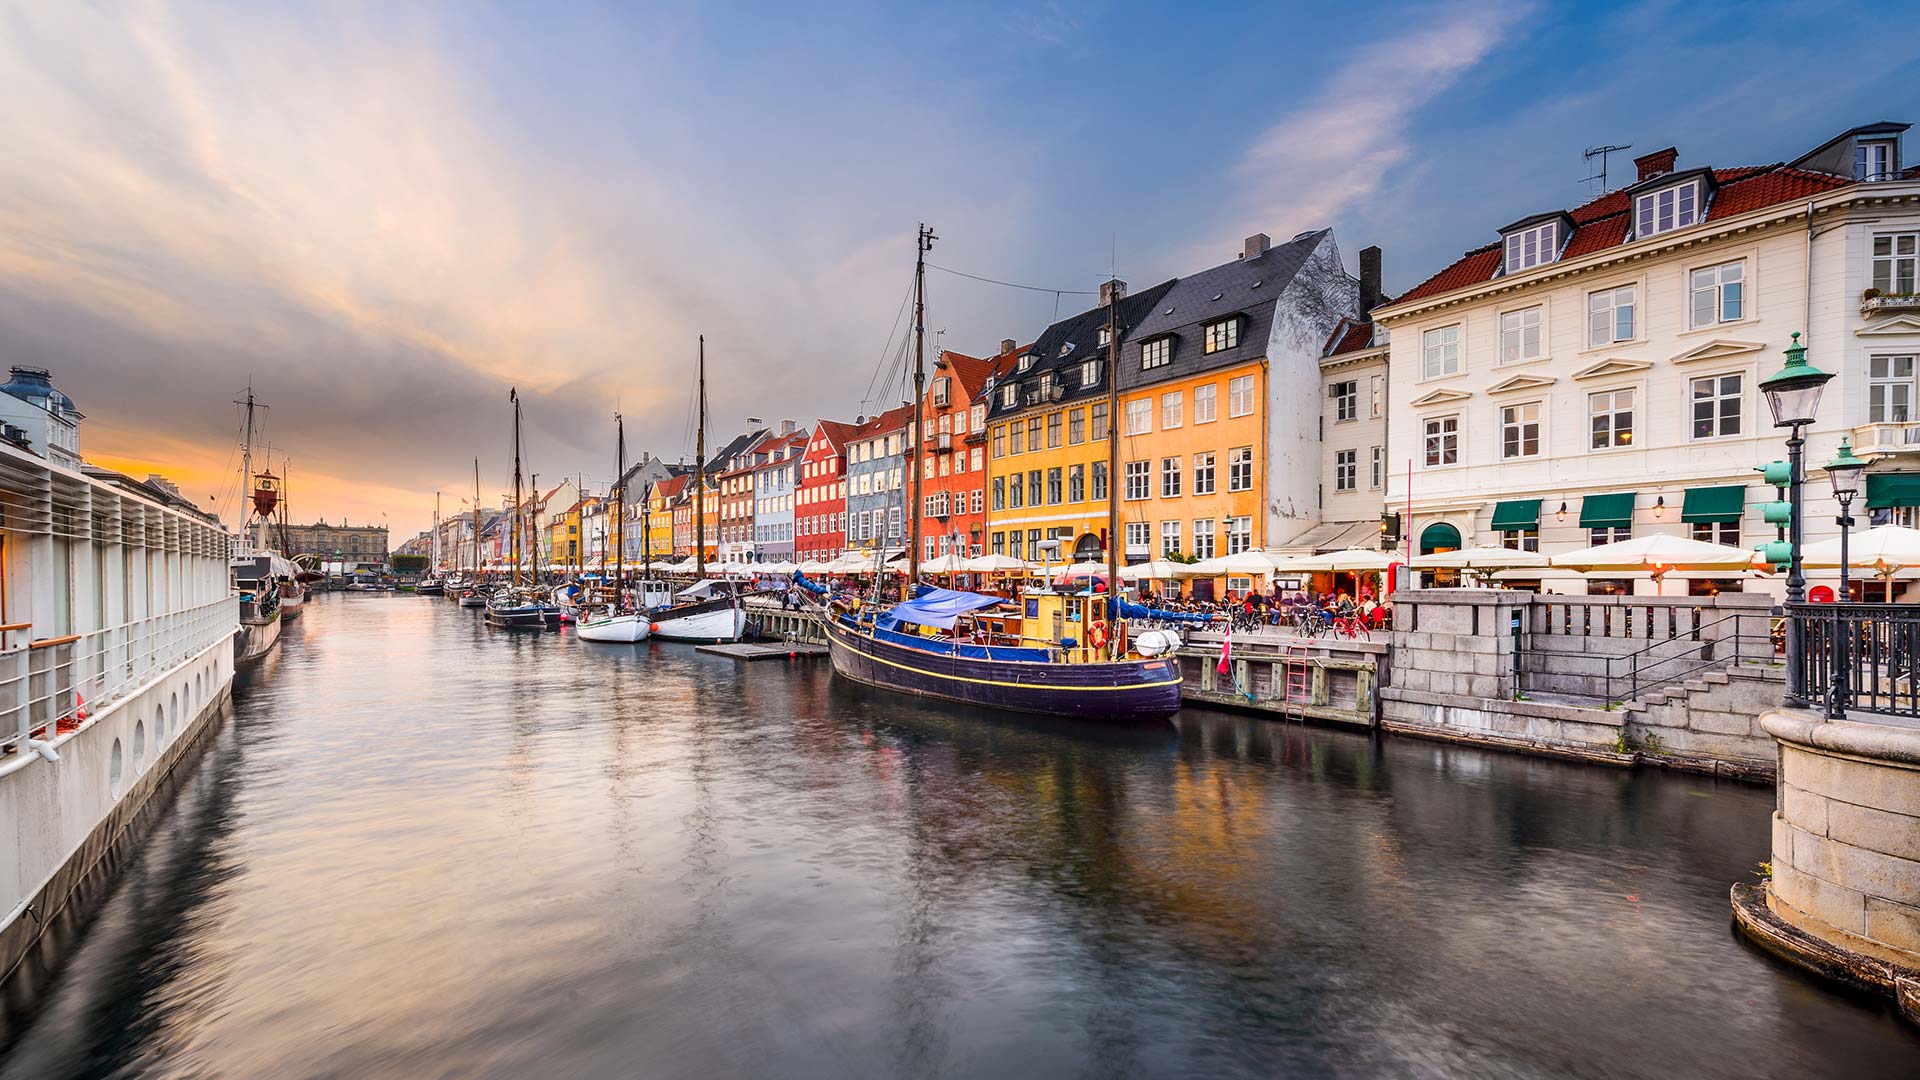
1608,304
1440,440
1240,468
1890,396
1440,352
1156,353
1515,420
1715,281
1533,246
1221,335
1607,403
1138,480
1715,532
1169,537
1173,408
1239,535
1170,477
1669,208
1717,396
1523,334
1138,416
1203,473
1139,536
1089,372
1203,539
1873,159
1240,396
1901,259
1346,470
1346,400
1206,403
1377,468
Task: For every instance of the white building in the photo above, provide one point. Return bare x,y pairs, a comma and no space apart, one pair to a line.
1592,375
46,419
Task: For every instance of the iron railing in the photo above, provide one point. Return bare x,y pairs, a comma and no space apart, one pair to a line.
1681,646
46,683
1860,657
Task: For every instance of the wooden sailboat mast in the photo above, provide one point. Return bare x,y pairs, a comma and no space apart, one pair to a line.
619,507
513,545
476,520
922,244
1113,449
700,474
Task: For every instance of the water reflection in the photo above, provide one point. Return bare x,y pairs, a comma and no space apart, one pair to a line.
424,848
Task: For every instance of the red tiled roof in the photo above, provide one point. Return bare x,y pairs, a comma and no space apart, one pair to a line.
1349,337
836,431
671,486
1603,222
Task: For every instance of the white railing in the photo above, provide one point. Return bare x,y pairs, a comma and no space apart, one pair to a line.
1887,438
46,684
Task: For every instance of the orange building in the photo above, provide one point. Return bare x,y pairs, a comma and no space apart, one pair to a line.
953,452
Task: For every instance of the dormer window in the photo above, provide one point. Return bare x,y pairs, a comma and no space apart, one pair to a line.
1067,348
1669,208
1008,395
1873,160
1105,336
940,392
1222,335
1026,361
1533,246
1089,372
1159,352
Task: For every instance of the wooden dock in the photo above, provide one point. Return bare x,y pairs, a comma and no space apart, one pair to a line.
765,650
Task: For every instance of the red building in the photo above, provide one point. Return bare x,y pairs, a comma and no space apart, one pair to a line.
953,452
820,504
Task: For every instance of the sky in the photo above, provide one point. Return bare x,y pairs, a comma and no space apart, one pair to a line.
383,216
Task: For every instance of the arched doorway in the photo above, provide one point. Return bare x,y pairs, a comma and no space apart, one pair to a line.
1439,537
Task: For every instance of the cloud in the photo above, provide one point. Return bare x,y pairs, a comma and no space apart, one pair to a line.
1335,151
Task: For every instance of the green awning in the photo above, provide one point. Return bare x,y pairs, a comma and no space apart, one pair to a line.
1513,515
1439,536
1715,504
1892,489
1613,511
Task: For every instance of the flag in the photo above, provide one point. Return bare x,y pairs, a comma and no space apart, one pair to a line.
1226,653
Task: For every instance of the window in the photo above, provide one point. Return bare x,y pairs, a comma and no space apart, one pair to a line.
1873,161
1053,431
977,462
1203,403
1139,537
1378,467
1596,537
1046,384
1099,481
1106,335
1157,353
1442,435
1520,430
1000,441
940,386
1203,538
893,521
1346,400
1018,435
1239,535
1139,417
1016,492
1610,316
1203,473
1717,294
1033,433
1531,247
1026,360
1716,532
1076,427
1440,352
980,417
1896,263
1053,487
1034,490
1089,372
978,498
1240,396
1890,389
1009,392
999,543
1138,481
1170,478
1224,334
1172,409
1346,469
1169,538
1240,469
1612,415
1076,483
1033,545
1099,422
1717,406
1672,208
1521,539
1520,335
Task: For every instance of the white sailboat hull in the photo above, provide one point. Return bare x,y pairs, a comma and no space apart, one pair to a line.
620,629
714,623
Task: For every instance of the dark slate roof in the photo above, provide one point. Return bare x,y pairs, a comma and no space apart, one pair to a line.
1245,287
1082,332
719,461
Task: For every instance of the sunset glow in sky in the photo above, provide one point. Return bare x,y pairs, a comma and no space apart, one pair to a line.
384,215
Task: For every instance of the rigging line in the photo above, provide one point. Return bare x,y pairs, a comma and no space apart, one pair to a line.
884,349
1013,284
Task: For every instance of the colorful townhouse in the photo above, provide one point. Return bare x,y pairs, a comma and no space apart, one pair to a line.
953,451
1220,390
662,511
876,482
736,512
773,485
1047,424
820,501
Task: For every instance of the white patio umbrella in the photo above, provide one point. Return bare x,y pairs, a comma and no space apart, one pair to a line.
1080,570
1885,549
1157,570
814,566
781,567
853,562
1350,560
944,564
995,564
1479,558
1659,555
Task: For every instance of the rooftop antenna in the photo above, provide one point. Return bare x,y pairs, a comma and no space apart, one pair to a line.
1601,152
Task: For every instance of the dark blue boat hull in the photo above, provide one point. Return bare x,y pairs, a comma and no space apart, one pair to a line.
1128,690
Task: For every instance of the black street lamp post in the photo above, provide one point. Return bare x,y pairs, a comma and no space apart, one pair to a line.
1793,394
1845,472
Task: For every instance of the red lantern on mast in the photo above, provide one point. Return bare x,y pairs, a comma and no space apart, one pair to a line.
266,493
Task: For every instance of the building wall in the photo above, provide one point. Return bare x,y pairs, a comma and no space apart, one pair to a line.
1180,446
953,473
876,482
821,500
1364,435
1014,524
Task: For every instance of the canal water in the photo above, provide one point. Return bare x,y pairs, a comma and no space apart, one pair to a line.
420,848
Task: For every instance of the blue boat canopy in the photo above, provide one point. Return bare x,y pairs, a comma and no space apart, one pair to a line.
939,607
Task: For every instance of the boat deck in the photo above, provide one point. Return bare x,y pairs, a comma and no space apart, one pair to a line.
765,650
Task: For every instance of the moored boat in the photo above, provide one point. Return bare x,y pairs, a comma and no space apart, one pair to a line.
706,611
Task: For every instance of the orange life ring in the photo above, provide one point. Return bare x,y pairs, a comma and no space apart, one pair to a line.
1097,634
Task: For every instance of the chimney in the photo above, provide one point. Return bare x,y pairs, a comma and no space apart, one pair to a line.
1370,294
1257,244
1111,290
1007,345
1658,163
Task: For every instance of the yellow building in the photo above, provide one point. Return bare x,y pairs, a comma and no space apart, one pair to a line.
660,516
1193,463
1047,425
